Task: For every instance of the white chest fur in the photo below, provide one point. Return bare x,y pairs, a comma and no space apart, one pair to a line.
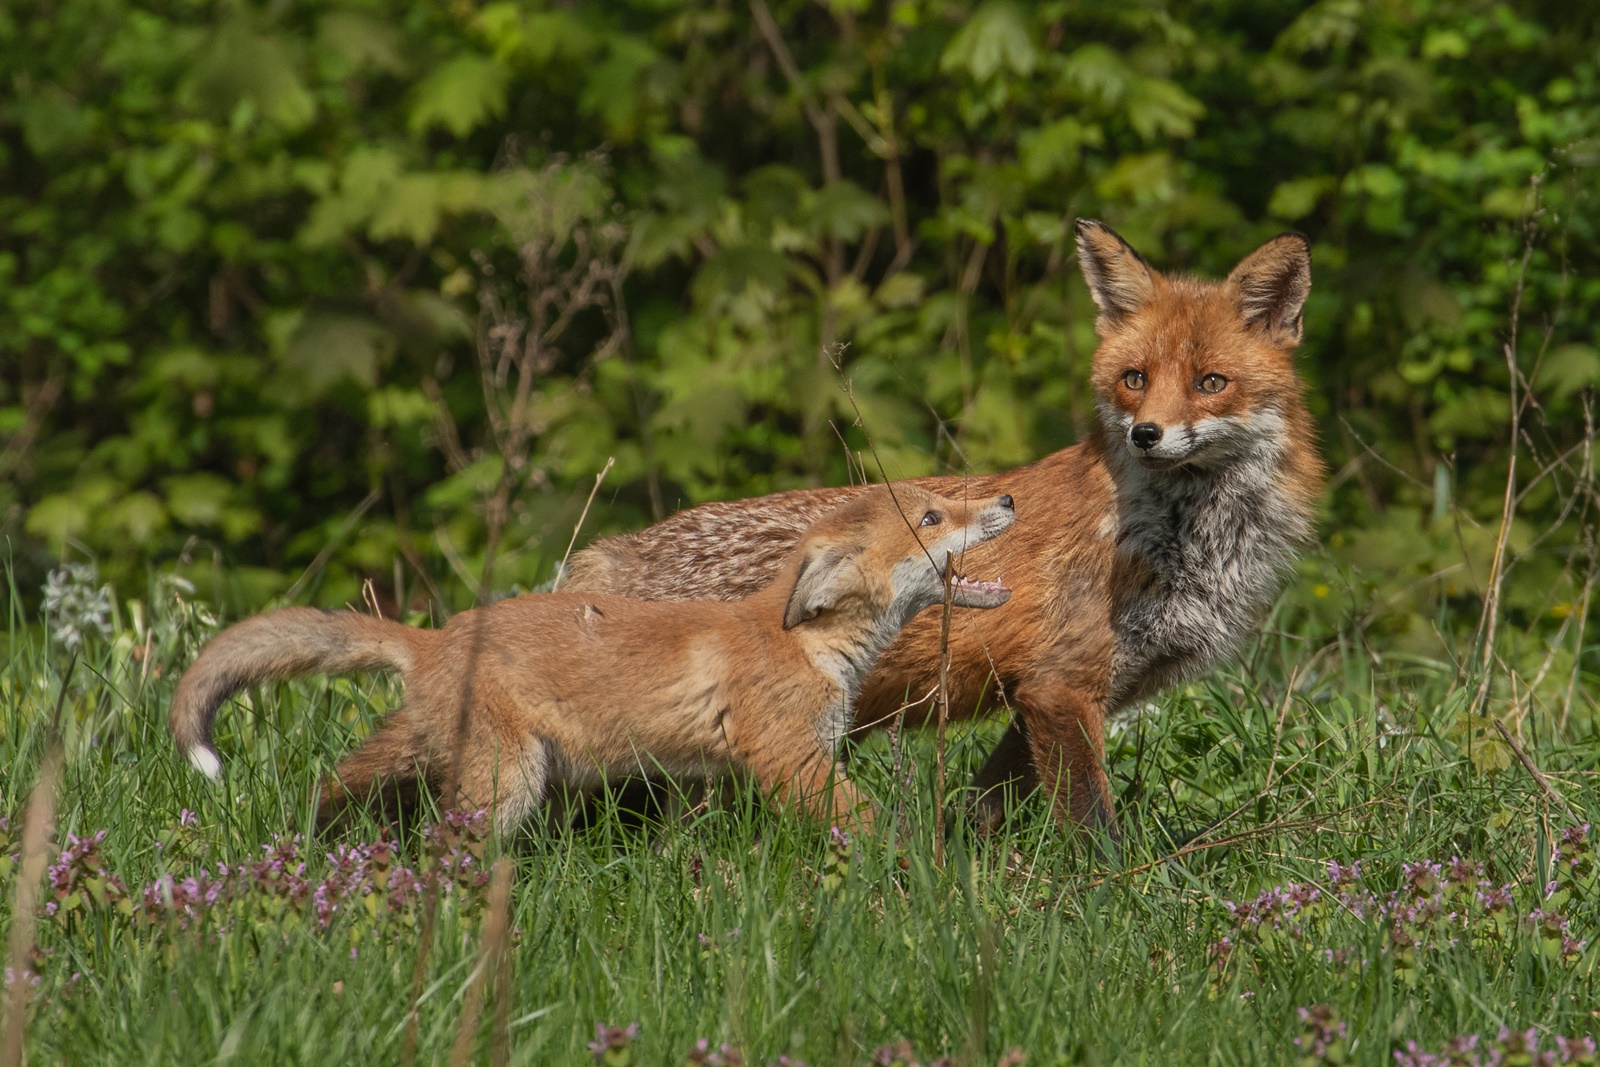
1207,551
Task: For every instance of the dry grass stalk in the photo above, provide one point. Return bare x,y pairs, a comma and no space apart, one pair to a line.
36,833
38,823
570,263
836,356
1533,771
944,713
333,544
499,937
494,946
1310,822
561,571
1491,600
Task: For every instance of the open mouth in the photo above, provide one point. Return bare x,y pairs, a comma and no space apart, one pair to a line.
972,593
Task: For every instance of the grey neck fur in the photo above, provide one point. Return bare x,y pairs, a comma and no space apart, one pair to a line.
1218,542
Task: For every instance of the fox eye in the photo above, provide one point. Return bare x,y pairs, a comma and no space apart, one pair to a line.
1213,383
932,518
1133,379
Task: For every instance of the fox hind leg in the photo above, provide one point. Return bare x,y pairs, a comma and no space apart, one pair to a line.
508,780
389,772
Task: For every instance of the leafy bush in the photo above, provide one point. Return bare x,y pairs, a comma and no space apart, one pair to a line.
265,270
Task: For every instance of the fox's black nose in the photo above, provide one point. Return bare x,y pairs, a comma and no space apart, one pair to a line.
1006,502
1145,435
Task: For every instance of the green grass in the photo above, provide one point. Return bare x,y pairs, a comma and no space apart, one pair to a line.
741,926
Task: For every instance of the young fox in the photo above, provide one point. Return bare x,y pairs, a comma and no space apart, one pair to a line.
567,687
1148,552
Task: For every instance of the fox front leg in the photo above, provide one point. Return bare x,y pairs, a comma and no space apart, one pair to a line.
1066,741
817,785
1005,778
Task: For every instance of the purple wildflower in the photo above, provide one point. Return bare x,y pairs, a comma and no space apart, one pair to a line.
1323,1031
610,1044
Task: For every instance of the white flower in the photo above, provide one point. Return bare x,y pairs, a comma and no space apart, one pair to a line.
76,604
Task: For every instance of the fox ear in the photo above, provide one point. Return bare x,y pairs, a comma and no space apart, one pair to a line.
1120,281
1273,282
822,582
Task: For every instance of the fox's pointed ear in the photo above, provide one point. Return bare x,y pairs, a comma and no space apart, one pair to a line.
822,582
1120,281
1273,283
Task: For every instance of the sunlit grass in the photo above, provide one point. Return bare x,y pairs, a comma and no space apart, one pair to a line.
742,927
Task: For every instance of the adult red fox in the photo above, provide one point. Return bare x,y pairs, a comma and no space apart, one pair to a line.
1146,555
568,687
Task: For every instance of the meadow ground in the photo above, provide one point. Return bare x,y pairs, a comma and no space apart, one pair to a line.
1276,898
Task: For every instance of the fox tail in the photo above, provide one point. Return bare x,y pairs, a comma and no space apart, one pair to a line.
282,644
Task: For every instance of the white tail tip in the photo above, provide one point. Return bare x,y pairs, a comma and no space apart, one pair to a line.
206,762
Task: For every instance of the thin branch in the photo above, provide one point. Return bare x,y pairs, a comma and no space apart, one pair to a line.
321,559
944,710
561,571
44,398
1527,763
1491,603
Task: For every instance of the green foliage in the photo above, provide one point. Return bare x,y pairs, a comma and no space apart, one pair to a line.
251,255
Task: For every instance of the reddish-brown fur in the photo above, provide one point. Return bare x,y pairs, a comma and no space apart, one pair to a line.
567,687
1121,561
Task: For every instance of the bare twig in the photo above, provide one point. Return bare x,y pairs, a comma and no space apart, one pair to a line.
824,119
36,831
321,559
570,263
499,938
446,436
1491,601
1277,732
38,406
1533,771
561,571
1264,830
944,711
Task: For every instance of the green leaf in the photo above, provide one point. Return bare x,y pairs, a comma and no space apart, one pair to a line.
362,42
364,181
197,499
328,348
57,518
1512,202
138,516
843,210
1051,150
610,92
901,290
1297,197
1566,369
1097,72
260,69
1159,108
460,95
996,37
415,203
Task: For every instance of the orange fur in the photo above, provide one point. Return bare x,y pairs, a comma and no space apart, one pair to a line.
569,687
1136,563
